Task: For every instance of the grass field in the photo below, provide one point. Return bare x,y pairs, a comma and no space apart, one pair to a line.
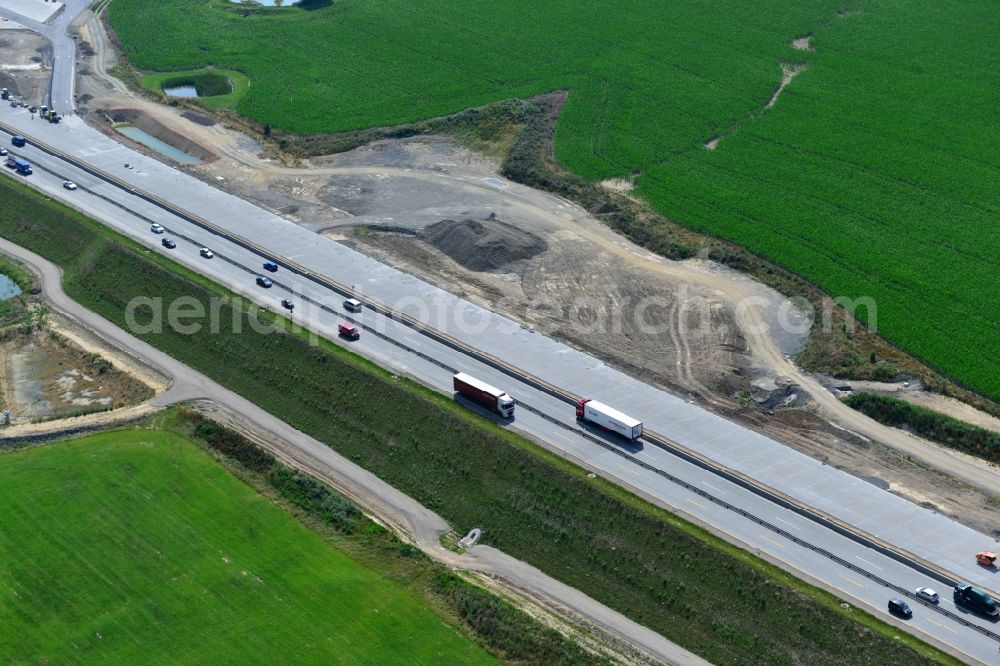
709,597
217,88
136,547
875,175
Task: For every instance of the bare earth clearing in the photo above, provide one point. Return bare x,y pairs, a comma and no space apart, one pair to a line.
44,375
586,287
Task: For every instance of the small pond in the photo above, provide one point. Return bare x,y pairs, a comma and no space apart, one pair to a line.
159,146
181,91
8,288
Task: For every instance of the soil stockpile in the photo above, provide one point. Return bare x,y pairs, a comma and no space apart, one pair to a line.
483,246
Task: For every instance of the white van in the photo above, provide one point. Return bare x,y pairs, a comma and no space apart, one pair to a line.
352,305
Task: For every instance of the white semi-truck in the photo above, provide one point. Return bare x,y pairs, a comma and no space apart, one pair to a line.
484,394
608,418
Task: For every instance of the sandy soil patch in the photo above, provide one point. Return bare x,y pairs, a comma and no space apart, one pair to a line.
803,43
26,61
618,185
788,72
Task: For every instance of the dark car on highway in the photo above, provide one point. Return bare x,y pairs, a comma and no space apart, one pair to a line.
270,266
287,304
264,282
168,243
899,607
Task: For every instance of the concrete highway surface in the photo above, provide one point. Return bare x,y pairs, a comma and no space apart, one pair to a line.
815,549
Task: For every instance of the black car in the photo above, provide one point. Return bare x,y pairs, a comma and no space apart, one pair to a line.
899,607
168,243
287,304
270,266
264,282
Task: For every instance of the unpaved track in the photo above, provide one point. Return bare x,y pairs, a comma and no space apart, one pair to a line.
405,514
539,206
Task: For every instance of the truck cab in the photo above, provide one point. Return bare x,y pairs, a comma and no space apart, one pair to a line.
977,600
20,165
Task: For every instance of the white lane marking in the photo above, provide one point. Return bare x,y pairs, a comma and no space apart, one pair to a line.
788,523
851,580
718,490
765,538
562,436
869,563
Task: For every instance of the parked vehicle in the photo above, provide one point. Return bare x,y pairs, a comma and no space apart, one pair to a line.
4,93
69,184
19,165
264,282
3,151
987,558
349,331
976,600
271,266
899,607
608,418
927,594
17,140
157,229
287,304
352,305
484,394
205,252
168,243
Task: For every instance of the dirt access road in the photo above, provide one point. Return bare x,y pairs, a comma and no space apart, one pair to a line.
408,518
717,333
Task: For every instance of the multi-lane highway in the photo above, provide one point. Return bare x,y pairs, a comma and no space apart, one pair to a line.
803,516
836,560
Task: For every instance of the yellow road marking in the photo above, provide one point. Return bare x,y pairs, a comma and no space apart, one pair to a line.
851,580
628,469
697,503
779,545
952,630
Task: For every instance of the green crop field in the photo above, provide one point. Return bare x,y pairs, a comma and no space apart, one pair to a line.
136,547
875,175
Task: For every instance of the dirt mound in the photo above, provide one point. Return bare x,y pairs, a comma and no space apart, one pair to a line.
199,118
483,246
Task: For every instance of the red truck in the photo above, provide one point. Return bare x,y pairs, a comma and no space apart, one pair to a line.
484,394
608,418
349,331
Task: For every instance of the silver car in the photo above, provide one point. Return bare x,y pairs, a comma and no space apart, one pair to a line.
927,594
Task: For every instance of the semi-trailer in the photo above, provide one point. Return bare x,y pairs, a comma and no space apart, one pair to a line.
608,418
19,164
484,394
